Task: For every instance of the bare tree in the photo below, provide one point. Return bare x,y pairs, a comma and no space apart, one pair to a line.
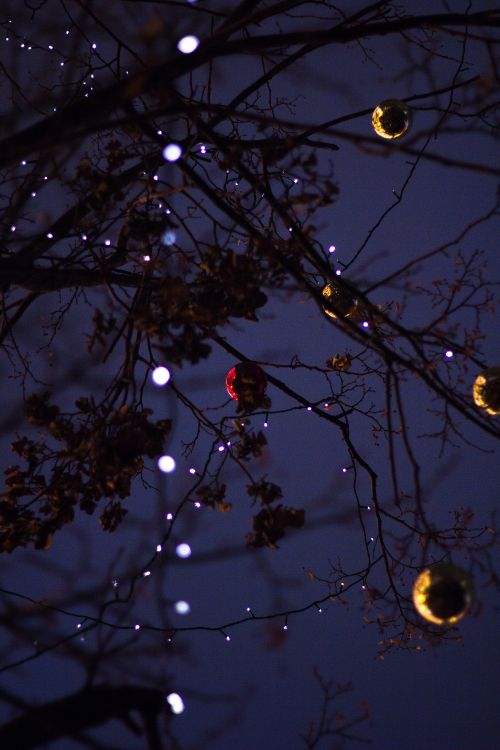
164,197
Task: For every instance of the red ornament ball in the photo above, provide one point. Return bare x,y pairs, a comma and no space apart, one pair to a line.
245,378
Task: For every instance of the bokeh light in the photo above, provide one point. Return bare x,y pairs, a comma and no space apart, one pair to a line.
160,375
166,464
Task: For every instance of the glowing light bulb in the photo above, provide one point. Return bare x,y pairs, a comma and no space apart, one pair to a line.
188,44
166,464
168,237
391,119
176,703
160,375
182,607
172,152
183,550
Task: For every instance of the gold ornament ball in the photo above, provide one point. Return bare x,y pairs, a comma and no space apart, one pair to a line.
391,119
341,299
442,593
486,390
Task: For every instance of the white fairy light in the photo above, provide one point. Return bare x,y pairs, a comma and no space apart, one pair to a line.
182,607
158,548
188,44
331,249
176,703
448,354
166,464
183,550
172,152
160,375
169,237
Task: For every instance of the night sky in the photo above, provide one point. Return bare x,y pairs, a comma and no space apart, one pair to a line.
260,628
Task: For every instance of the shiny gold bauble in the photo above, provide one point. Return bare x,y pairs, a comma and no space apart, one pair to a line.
391,119
486,390
442,593
340,299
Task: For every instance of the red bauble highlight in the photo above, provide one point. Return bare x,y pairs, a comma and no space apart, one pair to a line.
245,376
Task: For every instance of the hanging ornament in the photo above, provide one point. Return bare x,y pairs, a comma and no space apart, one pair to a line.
341,299
246,381
486,390
442,593
391,119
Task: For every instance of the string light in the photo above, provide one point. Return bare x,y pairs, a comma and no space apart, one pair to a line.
182,607
188,44
168,237
175,702
166,464
183,550
172,152
158,547
160,375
